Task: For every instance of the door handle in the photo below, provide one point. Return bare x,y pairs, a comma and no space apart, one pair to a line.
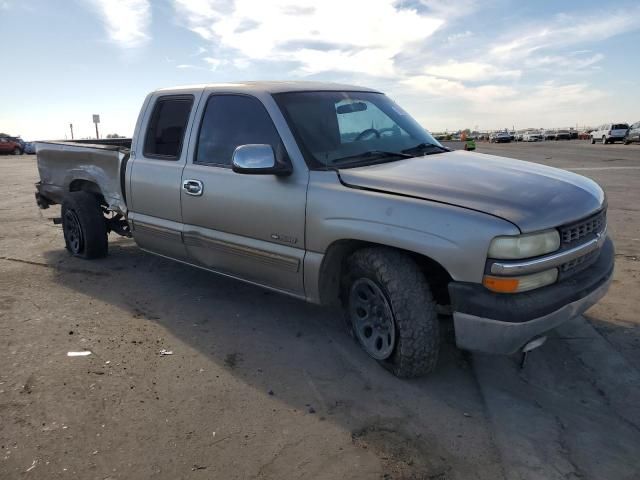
193,187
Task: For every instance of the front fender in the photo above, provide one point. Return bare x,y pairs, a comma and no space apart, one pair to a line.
456,238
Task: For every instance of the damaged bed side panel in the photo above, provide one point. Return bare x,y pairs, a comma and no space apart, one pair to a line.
66,166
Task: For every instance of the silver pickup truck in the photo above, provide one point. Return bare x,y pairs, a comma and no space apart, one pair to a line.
334,194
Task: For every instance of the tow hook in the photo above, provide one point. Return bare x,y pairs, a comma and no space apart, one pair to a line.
531,345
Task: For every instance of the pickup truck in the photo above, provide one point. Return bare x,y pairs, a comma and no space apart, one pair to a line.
335,195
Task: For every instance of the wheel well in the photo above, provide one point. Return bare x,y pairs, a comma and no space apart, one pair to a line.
333,265
87,186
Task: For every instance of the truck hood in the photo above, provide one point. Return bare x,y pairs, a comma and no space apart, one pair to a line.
529,195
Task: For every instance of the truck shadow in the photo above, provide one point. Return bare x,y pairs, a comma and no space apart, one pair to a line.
298,353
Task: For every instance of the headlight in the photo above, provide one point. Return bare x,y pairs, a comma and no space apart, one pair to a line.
524,246
520,284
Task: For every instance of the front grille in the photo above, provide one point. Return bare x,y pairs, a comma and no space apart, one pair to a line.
578,264
576,231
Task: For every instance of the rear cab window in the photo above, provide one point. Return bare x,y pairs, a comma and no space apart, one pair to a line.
620,126
166,129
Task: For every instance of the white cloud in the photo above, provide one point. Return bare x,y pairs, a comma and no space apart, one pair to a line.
214,63
390,45
470,71
565,30
453,89
492,106
333,35
126,21
198,52
453,10
573,62
456,37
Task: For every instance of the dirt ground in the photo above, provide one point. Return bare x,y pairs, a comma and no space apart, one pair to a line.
262,386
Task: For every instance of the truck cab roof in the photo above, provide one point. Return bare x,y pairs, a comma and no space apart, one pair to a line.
268,87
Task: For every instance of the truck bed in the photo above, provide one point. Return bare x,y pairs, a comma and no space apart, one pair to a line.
67,166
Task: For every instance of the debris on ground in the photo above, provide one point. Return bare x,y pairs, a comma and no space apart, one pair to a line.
78,354
166,352
33,465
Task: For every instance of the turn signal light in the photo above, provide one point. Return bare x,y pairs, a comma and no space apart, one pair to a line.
501,284
523,283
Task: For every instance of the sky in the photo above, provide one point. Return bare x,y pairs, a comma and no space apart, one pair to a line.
479,64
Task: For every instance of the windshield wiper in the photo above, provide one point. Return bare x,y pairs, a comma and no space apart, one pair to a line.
426,149
371,154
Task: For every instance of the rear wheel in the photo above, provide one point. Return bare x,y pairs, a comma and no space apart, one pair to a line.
593,141
84,226
604,140
17,151
391,311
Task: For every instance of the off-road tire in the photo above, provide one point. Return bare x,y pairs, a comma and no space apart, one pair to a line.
88,212
417,338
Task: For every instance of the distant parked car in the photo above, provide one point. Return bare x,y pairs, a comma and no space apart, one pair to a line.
563,135
30,148
531,137
633,134
10,145
500,137
586,135
548,135
17,140
574,134
609,133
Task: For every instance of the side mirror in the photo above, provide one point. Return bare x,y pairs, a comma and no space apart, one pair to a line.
258,159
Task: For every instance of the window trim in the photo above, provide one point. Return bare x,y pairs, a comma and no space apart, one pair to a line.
169,158
194,156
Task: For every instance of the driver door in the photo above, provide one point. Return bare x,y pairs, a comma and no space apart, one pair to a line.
243,225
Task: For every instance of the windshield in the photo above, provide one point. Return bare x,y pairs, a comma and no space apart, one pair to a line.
345,129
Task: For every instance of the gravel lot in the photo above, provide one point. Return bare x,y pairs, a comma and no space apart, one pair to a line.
263,386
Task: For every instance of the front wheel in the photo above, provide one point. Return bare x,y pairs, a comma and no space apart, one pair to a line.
593,141
604,140
391,311
84,226
17,151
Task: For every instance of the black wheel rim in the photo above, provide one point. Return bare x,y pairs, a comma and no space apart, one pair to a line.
73,232
372,318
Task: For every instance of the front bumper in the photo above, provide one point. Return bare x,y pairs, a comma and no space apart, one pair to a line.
503,323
